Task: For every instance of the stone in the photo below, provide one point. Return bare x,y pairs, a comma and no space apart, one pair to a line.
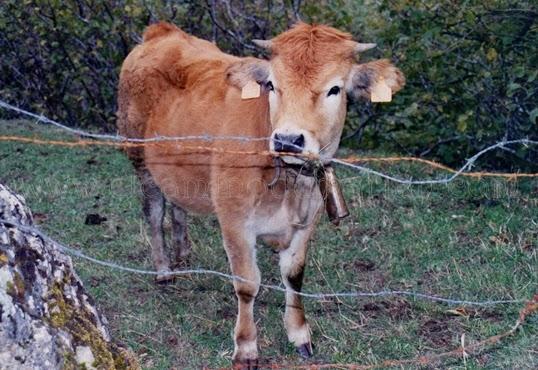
47,319
84,356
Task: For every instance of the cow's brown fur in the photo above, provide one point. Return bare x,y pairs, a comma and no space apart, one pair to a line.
174,84
308,49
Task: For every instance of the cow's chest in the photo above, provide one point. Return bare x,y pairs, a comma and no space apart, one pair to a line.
280,214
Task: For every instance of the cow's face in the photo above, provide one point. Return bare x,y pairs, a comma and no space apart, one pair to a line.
307,115
306,81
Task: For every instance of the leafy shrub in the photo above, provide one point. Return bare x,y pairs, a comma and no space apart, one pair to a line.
63,57
471,78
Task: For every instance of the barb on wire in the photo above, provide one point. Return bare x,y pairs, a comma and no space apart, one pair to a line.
320,296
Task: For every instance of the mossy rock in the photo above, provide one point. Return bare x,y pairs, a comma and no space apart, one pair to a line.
47,320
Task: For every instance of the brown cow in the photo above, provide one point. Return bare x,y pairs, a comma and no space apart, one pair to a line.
174,84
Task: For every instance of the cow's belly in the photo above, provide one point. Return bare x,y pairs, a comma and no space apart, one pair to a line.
181,169
182,183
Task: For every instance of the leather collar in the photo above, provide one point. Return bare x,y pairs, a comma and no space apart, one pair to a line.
308,168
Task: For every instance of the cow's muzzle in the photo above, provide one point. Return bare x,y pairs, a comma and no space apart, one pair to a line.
288,143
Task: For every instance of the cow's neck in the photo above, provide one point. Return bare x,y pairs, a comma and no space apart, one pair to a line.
297,186
305,170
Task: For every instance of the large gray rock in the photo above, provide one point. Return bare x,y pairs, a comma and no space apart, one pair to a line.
47,320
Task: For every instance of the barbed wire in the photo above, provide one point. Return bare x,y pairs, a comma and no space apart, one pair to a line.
319,296
439,166
122,141
455,173
530,307
341,161
159,138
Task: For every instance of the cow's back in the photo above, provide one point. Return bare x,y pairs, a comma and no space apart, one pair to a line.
155,68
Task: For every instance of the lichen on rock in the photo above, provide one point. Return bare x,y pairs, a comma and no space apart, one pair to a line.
47,320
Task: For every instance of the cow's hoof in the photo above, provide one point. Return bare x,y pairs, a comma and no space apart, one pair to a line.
305,350
247,364
165,279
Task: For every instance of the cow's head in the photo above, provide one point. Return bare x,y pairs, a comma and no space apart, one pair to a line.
311,69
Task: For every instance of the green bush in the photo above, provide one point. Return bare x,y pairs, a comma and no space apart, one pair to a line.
471,78
62,58
470,66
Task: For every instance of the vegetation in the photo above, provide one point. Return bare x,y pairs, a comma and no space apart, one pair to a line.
472,239
470,65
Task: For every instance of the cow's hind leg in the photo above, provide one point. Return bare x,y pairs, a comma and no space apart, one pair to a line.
154,207
242,257
292,263
180,237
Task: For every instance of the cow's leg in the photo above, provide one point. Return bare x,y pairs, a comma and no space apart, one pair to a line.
154,206
180,236
292,264
241,252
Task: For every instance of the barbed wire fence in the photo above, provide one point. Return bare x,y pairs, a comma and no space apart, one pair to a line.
319,296
530,305
350,162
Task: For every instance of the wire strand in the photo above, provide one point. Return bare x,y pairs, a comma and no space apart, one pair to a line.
122,141
42,119
319,296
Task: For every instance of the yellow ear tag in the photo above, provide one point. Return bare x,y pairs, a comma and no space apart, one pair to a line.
381,92
251,90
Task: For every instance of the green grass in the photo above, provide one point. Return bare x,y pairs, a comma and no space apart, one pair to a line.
471,239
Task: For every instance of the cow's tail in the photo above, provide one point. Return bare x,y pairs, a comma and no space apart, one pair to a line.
159,30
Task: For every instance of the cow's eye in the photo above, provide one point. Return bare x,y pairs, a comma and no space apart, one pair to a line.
335,90
269,86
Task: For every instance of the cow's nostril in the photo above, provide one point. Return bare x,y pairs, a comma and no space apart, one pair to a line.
299,141
278,143
288,143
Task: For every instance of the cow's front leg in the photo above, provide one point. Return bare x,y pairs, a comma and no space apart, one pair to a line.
292,264
241,252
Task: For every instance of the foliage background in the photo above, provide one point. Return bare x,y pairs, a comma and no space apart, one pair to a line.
470,65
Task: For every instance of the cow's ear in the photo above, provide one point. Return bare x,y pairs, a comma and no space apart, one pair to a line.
247,69
364,76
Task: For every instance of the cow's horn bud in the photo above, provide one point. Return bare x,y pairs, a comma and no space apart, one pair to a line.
264,44
359,48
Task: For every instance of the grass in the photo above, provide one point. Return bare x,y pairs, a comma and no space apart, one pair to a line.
470,239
